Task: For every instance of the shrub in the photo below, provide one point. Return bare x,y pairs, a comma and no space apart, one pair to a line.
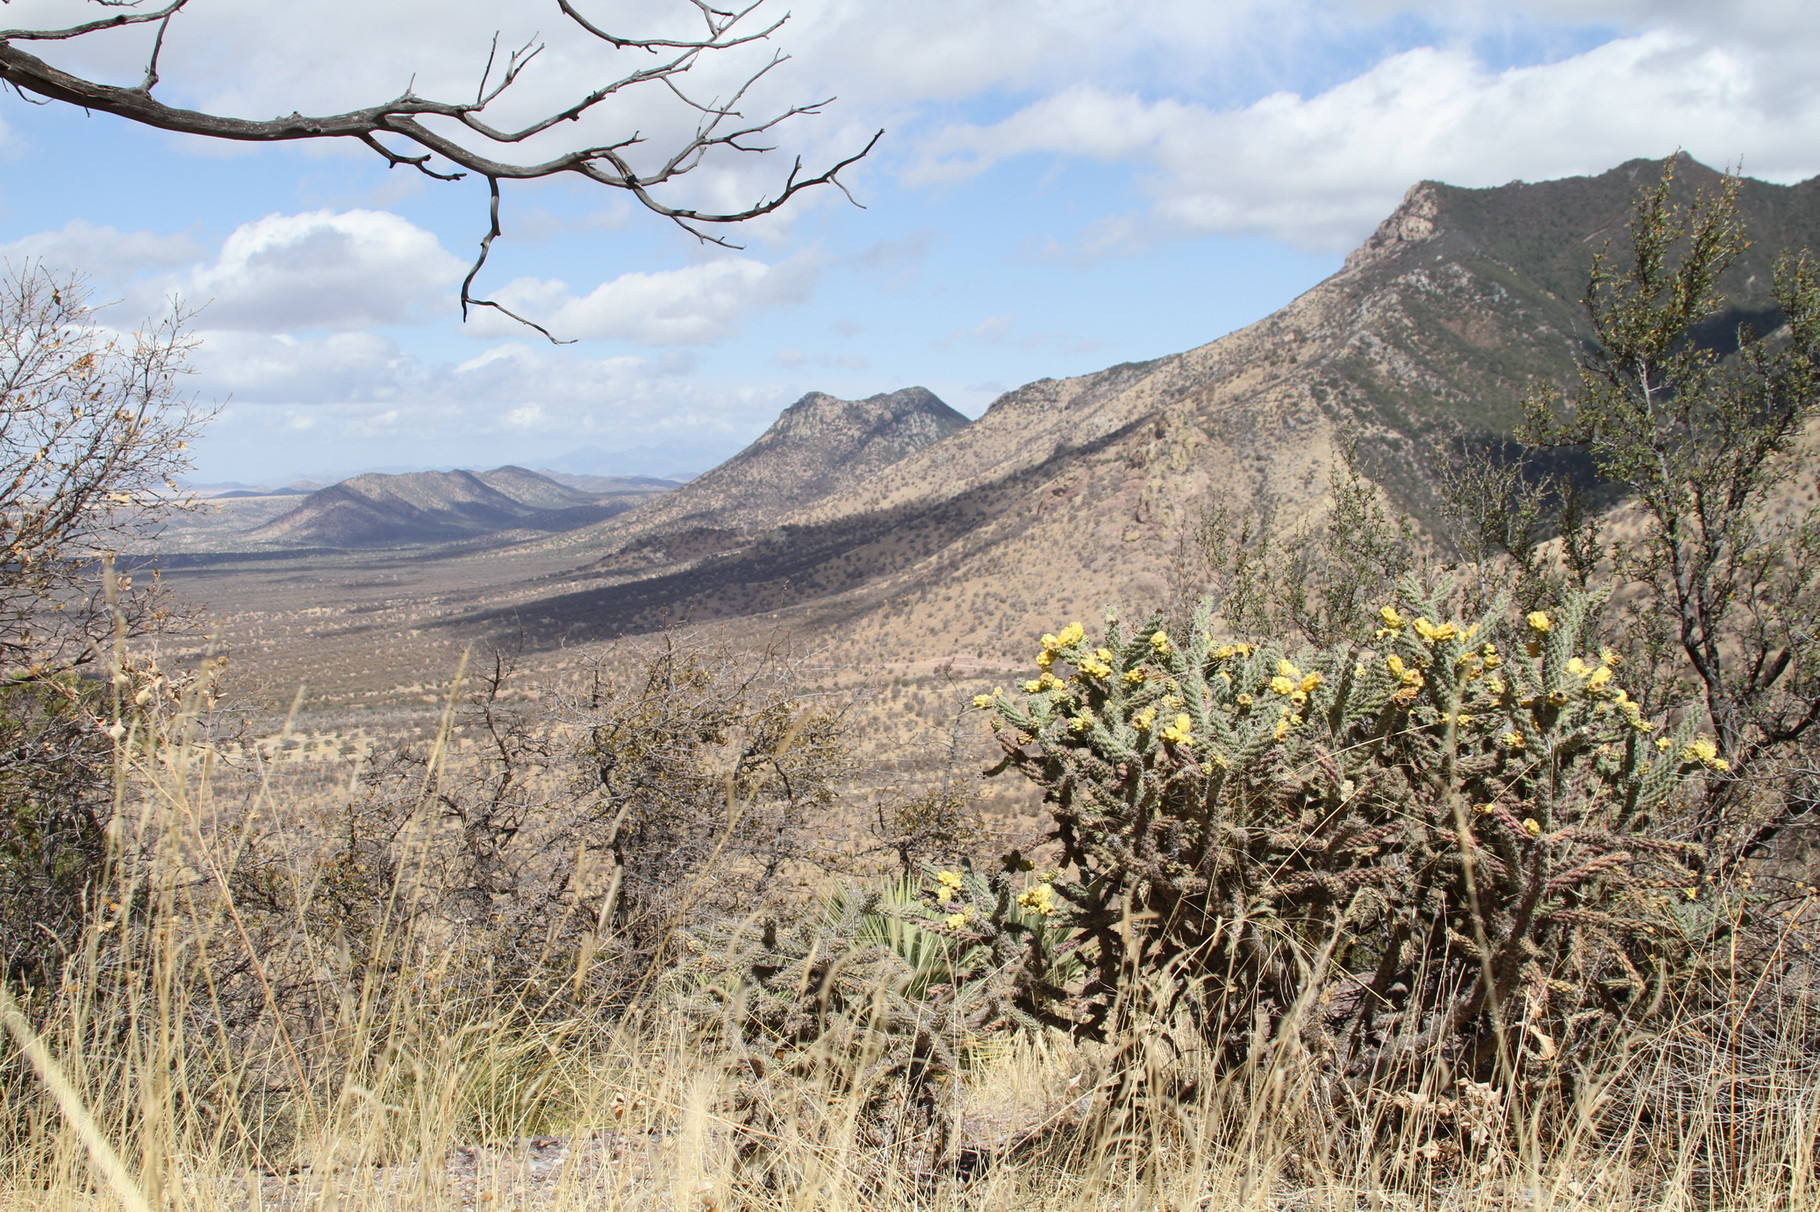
1438,851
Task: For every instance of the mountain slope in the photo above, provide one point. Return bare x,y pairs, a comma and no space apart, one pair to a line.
818,446
438,506
1069,495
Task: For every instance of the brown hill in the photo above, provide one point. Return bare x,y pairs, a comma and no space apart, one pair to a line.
439,506
818,446
1069,495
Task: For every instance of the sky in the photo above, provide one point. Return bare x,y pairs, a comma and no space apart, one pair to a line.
1062,185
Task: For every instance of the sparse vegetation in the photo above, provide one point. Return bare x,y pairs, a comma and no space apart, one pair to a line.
1365,886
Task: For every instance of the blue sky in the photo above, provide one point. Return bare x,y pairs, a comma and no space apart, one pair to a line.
1063,185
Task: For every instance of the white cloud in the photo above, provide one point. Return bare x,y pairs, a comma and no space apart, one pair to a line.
105,254
694,305
1321,170
324,269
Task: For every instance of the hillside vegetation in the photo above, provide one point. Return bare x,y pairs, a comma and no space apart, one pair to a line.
1371,862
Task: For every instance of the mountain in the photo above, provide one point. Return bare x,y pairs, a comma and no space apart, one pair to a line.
818,446
378,510
1071,495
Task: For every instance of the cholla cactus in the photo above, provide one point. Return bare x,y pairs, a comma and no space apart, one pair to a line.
1432,845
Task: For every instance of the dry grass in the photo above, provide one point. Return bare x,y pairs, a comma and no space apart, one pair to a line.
205,1055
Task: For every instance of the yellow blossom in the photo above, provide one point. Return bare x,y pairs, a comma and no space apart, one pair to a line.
1096,669
1390,616
1578,668
1298,697
1134,677
1219,759
1436,633
1282,728
1102,654
1720,764
957,920
1705,750
1464,720
1160,641
1144,719
1394,663
1511,740
1287,670
1039,900
1072,634
1664,743
1045,658
1311,681
1225,677
1281,685
1494,686
1242,649
1532,826
1079,723
951,880
1033,686
1599,678
1179,733
983,701
1608,657
1538,621
1224,652
1244,700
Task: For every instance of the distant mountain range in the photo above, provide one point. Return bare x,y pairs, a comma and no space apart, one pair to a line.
441,506
1071,495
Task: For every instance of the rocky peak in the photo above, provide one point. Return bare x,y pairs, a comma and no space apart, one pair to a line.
1413,222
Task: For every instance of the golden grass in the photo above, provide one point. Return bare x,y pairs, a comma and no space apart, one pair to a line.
190,1061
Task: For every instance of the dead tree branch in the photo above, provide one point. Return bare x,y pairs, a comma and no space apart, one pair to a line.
477,146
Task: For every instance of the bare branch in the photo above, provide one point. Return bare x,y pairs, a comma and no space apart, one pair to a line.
415,119
486,246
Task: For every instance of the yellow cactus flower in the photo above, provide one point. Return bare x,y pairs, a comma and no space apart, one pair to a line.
1051,643
1538,621
1610,658
957,920
1463,720
1391,617
1494,686
1311,681
1134,677
1079,723
1436,633
1219,759
1244,700
1224,652
1160,641
1243,649
983,701
1511,740
1394,663
1599,678
1102,654
1039,900
1071,635
1045,658
951,880
1144,719
1287,670
1664,744
1096,669
1033,686
1298,697
1179,733
1719,764
1281,685
1704,750
1532,826
1282,728
1578,667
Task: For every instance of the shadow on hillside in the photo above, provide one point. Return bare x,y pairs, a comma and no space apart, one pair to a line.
791,566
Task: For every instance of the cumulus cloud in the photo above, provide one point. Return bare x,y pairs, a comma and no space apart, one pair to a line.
1321,170
694,305
104,253
334,270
